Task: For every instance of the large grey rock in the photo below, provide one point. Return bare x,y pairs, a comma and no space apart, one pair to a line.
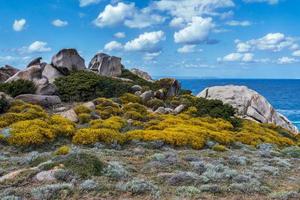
249,104
51,73
106,65
32,73
36,61
147,95
141,74
43,100
69,114
169,86
67,60
6,72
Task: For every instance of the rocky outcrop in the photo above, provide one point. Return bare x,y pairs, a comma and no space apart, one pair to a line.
32,73
6,72
36,61
141,74
67,60
249,104
170,86
43,100
70,115
51,73
106,65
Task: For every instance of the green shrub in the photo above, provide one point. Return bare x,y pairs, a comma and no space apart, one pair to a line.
155,103
86,86
4,105
18,87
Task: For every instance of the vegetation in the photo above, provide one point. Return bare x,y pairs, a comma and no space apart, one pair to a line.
4,105
84,86
18,87
63,150
137,80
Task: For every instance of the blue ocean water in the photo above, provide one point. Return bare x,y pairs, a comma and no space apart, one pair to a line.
284,95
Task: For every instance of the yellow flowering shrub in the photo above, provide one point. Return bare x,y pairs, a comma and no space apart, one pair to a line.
115,123
91,136
219,147
62,126
130,98
20,111
84,118
63,150
81,109
106,108
135,111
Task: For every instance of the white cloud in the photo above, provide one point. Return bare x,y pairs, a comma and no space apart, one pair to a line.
151,56
272,42
114,14
129,15
19,24
271,2
187,9
238,23
38,46
177,22
145,42
296,53
120,35
59,23
187,49
143,19
113,45
83,3
238,57
286,60
195,32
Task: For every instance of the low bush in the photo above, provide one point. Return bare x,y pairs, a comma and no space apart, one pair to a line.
136,79
106,108
130,98
86,86
4,105
18,87
63,150
135,111
155,103
114,123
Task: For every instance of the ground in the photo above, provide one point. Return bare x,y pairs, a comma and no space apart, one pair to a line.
148,171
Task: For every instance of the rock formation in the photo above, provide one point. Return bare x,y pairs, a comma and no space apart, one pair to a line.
67,60
32,73
106,65
43,100
36,61
51,73
6,72
249,104
141,74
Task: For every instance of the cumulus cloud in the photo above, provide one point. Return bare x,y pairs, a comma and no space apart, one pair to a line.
286,60
129,15
38,46
238,23
272,41
187,9
296,53
113,45
147,42
195,32
187,49
271,2
120,35
83,3
238,57
152,55
59,23
18,25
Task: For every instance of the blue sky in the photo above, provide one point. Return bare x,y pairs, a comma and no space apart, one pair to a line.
187,38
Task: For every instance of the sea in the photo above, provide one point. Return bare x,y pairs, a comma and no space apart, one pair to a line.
284,95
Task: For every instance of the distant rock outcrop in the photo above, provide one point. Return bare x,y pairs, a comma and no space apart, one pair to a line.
6,72
106,65
67,60
36,61
32,73
43,100
249,104
141,74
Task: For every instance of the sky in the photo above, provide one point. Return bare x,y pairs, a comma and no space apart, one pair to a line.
179,38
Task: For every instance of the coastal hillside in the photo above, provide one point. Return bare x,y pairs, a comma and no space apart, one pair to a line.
102,131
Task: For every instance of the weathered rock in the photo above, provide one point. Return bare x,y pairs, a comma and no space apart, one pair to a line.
31,73
106,65
6,97
43,87
159,94
51,73
90,105
170,86
43,100
136,88
179,109
36,61
146,96
141,74
46,175
249,104
6,72
68,60
70,114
